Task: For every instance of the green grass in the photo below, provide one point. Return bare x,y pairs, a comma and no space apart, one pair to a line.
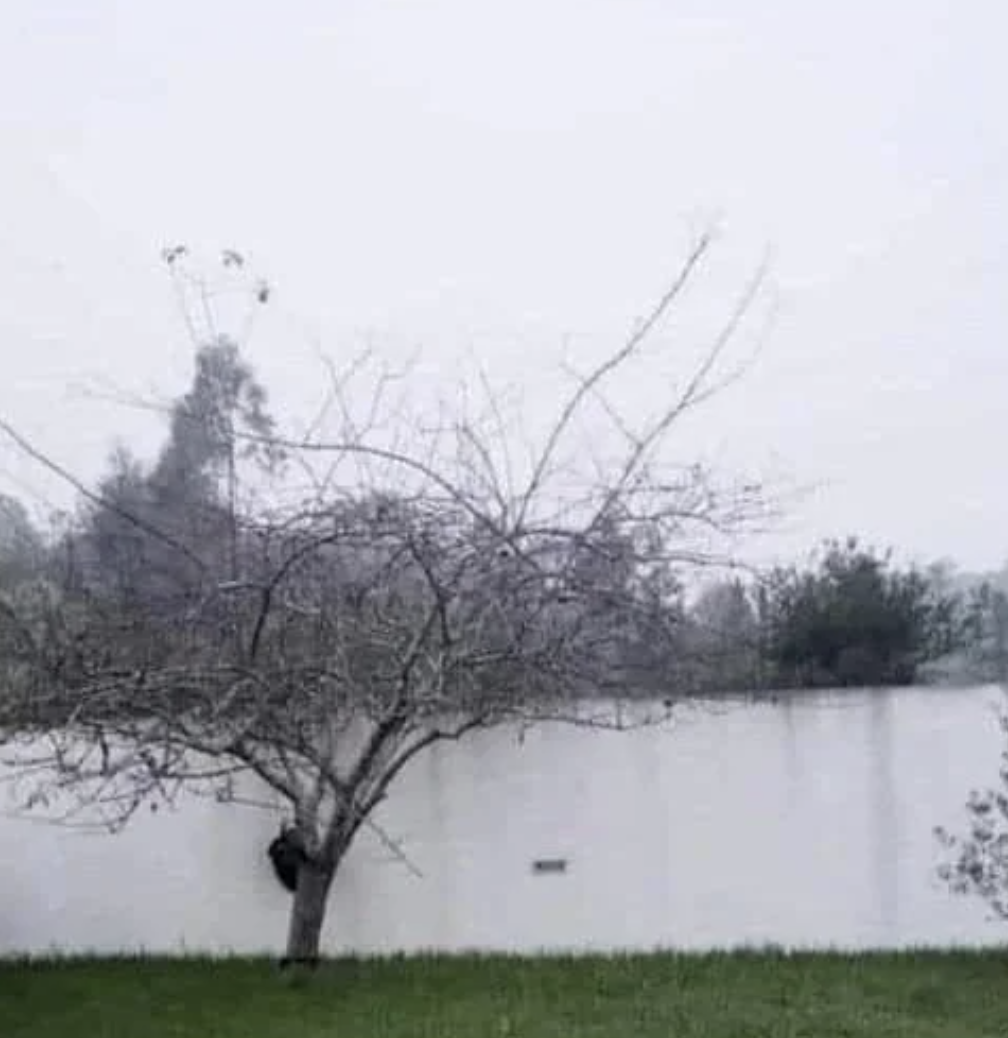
922,994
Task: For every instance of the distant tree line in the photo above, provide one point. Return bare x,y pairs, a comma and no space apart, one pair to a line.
849,617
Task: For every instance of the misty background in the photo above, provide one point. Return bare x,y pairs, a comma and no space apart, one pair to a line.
515,183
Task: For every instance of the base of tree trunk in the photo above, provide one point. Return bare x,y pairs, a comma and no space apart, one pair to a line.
309,962
308,913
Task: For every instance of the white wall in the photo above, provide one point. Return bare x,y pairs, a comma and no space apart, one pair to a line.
808,822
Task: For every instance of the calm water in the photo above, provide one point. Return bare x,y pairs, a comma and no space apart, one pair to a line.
805,822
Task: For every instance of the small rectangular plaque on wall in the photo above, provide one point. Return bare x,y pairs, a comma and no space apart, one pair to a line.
549,865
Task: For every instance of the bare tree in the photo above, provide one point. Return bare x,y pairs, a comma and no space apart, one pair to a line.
317,611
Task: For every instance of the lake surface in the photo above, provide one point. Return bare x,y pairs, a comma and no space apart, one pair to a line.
806,822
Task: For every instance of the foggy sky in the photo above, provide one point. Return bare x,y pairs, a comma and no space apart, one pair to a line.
521,179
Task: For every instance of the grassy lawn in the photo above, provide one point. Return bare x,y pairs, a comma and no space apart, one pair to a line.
738,995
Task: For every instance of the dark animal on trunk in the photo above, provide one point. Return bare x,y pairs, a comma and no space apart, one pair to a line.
287,853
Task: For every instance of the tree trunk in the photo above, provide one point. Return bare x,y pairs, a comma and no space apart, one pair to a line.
308,913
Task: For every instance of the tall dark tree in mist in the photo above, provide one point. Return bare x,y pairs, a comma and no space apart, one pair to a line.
855,619
316,611
21,544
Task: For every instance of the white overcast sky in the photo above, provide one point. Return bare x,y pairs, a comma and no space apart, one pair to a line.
509,177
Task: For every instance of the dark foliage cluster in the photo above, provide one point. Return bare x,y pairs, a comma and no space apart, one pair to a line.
850,618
